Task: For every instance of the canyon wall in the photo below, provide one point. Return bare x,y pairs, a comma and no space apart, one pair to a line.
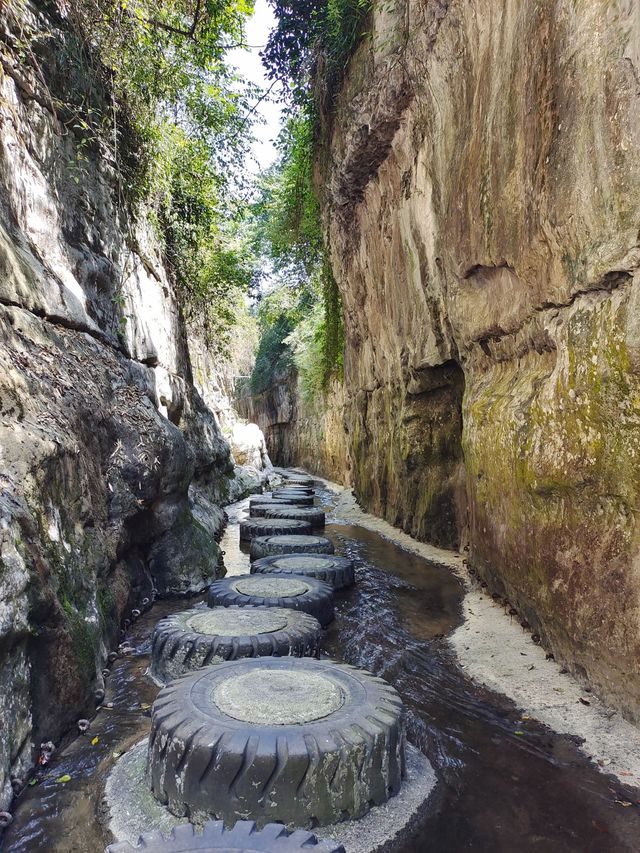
481,189
112,468
308,433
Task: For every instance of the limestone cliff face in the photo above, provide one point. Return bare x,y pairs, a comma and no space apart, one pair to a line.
482,175
297,432
102,432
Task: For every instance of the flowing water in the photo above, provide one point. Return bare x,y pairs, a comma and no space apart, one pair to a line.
504,783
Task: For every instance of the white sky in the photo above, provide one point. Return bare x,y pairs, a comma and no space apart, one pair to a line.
250,66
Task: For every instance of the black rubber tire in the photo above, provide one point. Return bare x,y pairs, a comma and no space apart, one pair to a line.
317,600
251,527
266,499
260,510
293,497
245,837
177,647
268,546
312,514
302,771
338,571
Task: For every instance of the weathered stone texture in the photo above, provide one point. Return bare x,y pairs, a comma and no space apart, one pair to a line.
482,199
102,432
297,432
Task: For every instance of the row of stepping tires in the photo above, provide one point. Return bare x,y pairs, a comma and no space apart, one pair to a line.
253,727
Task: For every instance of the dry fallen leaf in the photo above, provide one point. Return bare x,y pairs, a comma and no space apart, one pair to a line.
95,741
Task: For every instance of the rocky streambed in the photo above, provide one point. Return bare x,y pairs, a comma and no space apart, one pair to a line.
505,781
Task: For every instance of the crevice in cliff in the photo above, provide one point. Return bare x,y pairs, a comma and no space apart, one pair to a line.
540,340
610,281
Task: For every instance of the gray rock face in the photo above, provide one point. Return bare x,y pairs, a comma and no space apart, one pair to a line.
482,201
483,206
102,433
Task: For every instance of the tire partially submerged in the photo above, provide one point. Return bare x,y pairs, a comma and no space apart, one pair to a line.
338,571
315,517
296,593
294,497
245,837
259,510
251,527
267,546
201,637
224,743
266,499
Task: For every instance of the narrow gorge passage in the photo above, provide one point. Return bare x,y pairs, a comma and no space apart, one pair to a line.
504,782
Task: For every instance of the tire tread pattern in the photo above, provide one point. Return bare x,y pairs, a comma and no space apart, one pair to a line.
339,573
270,546
252,527
177,649
317,601
244,837
307,775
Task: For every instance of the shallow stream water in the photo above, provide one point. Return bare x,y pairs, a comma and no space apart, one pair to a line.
505,784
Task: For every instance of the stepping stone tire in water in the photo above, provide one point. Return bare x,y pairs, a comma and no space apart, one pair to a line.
314,516
294,498
266,499
224,742
244,837
260,510
267,546
200,637
251,527
296,593
338,571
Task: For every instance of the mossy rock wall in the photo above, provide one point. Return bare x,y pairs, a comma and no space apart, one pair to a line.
102,432
480,174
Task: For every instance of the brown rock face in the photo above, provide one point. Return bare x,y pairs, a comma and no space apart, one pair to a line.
481,182
497,241
301,433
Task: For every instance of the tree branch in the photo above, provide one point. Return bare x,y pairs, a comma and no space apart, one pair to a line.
190,33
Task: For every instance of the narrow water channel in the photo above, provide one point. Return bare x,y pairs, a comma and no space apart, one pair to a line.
506,784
